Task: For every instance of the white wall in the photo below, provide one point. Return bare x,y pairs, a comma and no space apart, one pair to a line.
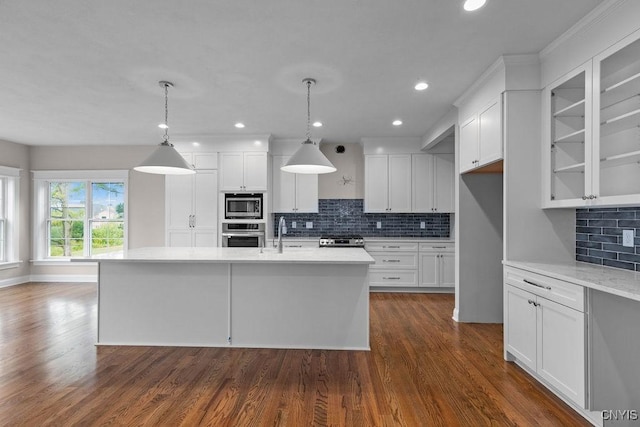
350,164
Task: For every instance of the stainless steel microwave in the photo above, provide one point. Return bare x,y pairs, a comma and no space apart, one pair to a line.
243,206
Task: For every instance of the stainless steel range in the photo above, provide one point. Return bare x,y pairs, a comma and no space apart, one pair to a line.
351,241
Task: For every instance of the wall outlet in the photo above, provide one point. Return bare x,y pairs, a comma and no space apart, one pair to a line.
294,224
423,225
627,238
309,224
379,224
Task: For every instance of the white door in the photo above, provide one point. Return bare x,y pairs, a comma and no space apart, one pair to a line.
422,187
178,193
429,269
561,348
400,182
205,238
444,175
447,270
231,172
490,122
520,325
468,144
205,218
284,187
306,193
255,171
376,183
179,238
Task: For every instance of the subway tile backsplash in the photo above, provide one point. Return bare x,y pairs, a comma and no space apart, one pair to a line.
346,216
599,237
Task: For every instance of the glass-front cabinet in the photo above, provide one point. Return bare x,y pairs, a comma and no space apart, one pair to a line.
592,118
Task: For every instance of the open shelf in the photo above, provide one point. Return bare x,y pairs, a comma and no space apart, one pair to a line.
621,91
577,136
620,159
578,167
619,123
574,110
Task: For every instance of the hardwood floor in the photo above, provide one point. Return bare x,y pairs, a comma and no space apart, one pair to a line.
423,370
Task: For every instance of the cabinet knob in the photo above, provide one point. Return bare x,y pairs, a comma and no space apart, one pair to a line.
592,196
584,197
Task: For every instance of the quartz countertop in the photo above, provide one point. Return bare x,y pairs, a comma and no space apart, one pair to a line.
614,281
237,255
374,238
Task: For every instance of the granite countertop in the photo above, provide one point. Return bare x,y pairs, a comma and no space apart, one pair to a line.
614,281
237,255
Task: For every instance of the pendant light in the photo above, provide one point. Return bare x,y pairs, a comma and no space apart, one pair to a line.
165,159
308,159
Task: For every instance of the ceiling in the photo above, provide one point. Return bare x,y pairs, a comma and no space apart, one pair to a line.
86,72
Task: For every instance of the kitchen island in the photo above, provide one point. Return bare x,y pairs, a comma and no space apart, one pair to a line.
240,297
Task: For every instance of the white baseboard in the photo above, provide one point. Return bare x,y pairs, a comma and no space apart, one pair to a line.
12,281
75,278
455,314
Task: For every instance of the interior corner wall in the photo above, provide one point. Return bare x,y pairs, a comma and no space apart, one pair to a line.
350,164
17,156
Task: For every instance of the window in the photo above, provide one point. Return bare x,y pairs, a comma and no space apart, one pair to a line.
9,180
80,217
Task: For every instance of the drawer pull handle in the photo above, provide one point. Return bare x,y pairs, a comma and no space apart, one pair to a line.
439,247
390,260
294,246
535,284
391,278
535,304
391,247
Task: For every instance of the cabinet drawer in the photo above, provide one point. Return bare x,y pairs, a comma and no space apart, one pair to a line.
391,246
301,244
394,260
565,293
393,278
437,247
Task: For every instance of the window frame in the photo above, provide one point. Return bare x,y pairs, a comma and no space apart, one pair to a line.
42,180
9,216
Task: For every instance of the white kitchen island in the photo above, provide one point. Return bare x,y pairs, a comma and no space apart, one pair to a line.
240,297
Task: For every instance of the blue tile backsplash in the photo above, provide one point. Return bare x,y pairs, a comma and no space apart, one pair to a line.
599,237
346,216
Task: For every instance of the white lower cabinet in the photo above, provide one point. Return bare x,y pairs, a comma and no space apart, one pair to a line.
545,335
437,265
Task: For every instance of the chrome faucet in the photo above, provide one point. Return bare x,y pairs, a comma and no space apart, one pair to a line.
281,225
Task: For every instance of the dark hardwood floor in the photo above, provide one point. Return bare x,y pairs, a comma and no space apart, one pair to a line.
423,370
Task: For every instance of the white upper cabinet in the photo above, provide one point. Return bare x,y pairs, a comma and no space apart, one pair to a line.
592,116
432,182
293,192
387,183
481,137
243,171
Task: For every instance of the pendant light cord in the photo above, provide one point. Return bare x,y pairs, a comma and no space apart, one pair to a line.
166,113
308,110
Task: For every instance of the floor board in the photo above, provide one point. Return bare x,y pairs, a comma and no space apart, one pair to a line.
423,370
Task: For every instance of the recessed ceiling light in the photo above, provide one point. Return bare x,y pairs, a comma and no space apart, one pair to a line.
257,142
397,122
421,86
471,5
163,126
195,144
239,125
317,124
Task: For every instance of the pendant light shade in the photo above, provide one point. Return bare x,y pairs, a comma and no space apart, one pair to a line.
308,159
165,159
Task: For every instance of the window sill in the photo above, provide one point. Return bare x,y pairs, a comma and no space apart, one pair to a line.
66,262
9,264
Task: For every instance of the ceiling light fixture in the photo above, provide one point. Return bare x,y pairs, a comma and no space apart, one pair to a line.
239,125
471,5
165,159
396,122
317,124
308,159
163,126
421,86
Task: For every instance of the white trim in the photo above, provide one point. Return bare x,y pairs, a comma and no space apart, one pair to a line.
592,18
9,264
72,175
497,66
455,315
9,171
63,262
71,278
13,281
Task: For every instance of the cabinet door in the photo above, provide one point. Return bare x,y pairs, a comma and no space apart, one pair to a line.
179,238
400,183
376,183
205,202
231,172
179,196
469,144
520,325
447,270
284,187
205,160
490,133
306,193
561,348
429,270
205,238
255,171
444,188
422,183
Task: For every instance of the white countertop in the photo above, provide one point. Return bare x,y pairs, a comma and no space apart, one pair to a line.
614,281
237,255
378,239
